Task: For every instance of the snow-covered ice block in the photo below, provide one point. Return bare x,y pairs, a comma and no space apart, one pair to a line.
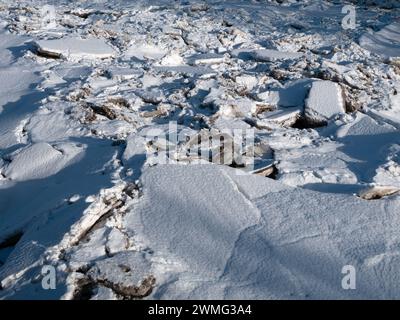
15,82
269,55
145,51
324,101
40,160
182,203
364,125
76,48
385,42
117,73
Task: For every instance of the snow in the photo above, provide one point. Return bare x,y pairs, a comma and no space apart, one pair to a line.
103,176
274,55
261,241
75,48
40,160
324,101
385,42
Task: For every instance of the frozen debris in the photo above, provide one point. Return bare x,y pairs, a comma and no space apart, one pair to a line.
268,55
145,51
76,48
122,74
385,42
324,102
294,93
203,6
378,192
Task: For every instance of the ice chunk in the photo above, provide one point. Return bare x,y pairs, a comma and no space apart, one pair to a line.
324,101
253,238
190,197
209,58
269,55
76,48
40,160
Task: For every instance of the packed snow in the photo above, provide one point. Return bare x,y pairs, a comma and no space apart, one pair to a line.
75,48
110,172
324,102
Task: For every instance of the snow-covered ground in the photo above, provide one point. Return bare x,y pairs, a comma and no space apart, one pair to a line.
104,174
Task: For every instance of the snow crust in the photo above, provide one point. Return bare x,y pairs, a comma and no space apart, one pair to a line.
90,103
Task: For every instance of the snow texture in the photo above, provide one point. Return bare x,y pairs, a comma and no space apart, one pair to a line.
95,94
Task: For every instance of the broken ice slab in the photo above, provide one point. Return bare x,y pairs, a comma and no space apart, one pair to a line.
40,160
126,273
268,55
265,171
378,192
284,117
206,58
172,31
385,42
75,48
324,101
145,51
186,70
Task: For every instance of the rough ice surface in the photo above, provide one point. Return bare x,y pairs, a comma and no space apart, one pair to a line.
103,176
274,55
